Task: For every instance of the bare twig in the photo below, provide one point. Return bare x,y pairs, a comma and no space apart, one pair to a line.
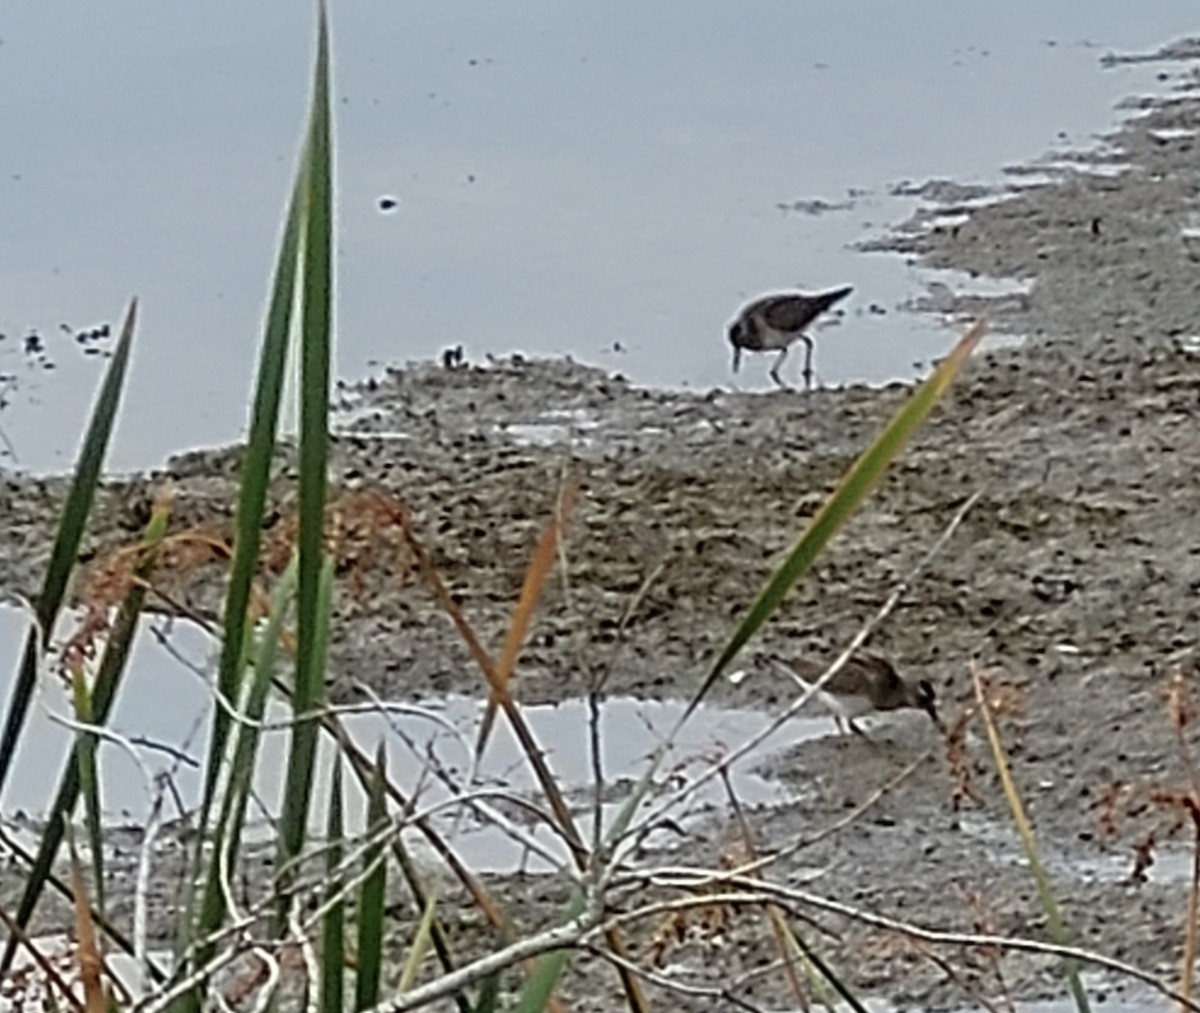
757,892
725,996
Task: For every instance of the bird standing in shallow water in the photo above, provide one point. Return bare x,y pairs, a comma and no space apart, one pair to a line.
773,322
866,684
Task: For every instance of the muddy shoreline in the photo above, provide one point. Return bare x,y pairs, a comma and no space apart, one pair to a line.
1075,576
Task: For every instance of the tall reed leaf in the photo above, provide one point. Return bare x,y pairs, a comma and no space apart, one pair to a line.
66,541
316,302
302,756
306,227
255,481
239,772
333,925
373,892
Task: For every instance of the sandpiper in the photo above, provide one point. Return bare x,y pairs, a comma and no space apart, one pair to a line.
773,322
866,684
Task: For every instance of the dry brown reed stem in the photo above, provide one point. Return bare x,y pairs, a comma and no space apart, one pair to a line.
498,686
529,745
87,954
784,941
544,556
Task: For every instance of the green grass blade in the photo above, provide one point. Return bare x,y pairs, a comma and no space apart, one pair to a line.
248,736
67,539
421,943
308,228
252,495
248,526
489,995
108,679
255,481
822,972
862,477
364,771
302,755
333,926
371,897
1058,930
89,784
233,800
547,971
62,888
316,300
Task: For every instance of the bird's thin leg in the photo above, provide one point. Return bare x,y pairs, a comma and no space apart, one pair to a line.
775,369
844,723
858,730
808,354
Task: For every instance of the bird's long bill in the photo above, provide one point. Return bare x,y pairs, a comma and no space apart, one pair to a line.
930,708
737,358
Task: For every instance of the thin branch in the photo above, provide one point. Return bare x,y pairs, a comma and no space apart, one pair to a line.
722,995
757,892
562,937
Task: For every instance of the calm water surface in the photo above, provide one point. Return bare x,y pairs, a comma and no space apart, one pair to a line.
596,180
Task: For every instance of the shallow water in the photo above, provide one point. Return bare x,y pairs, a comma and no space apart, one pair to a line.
601,183
164,710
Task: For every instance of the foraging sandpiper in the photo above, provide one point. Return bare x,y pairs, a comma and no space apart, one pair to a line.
773,322
866,684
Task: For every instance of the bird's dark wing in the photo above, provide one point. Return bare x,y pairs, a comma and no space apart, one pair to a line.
881,672
806,668
789,312
796,312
